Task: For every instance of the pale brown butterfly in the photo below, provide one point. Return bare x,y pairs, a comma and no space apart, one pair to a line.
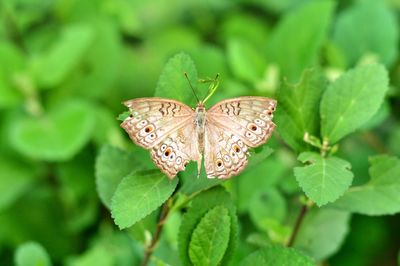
177,134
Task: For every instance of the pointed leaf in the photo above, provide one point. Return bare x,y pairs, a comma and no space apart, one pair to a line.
112,165
138,195
210,238
332,224
382,35
200,205
293,49
381,195
277,255
352,100
173,84
324,179
298,110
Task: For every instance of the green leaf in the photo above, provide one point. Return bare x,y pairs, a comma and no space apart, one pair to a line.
379,38
333,225
11,63
352,100
66,53
380,195
57,135
16,178
210,238
257,178
112,165
265,206
298,110
200,205
293,49
173,84
245,61
31,254
138,195
324,179
277,255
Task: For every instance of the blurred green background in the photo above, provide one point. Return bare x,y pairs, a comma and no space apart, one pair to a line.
66,65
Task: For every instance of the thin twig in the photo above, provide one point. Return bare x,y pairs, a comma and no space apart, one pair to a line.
297,225
160,225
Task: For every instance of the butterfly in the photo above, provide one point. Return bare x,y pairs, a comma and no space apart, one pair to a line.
176,134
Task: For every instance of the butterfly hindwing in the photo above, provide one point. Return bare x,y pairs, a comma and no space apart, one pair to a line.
176,151
225,154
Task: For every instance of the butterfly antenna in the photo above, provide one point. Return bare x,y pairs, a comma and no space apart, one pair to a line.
190,84
213,87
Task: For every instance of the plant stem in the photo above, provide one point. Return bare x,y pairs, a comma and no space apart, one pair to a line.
297,225
160,225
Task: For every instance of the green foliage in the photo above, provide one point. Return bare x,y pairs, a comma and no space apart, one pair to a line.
325,179
31,254
210,238
200,206
333,225
347,103
60,133
172,83
137,195
356,43
293,49
380,195
298,111
276,255
74,188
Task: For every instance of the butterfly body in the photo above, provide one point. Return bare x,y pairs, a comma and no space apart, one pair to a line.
177,134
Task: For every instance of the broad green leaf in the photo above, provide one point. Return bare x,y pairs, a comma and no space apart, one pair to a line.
98,68
173,83
352,100
31,254
294,49
65,54
324,180
11,62
112,165
380,195
55,136
106,130
16,177
245,61
246,27
200,205
298,108
267,206
277,255
138,195
257,178
210,238
333,225
379,38
77,191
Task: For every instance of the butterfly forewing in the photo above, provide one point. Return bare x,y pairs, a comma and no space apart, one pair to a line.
166,127
153,119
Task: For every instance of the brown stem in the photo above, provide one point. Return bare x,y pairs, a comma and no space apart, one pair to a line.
297,225
160,225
